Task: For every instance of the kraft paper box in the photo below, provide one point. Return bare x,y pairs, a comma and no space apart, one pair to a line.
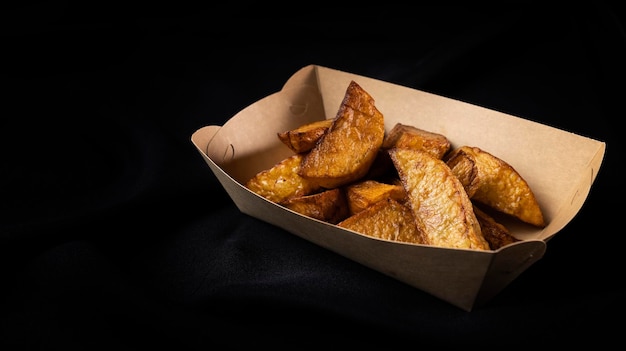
247,143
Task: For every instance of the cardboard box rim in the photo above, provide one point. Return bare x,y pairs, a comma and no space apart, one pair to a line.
247,143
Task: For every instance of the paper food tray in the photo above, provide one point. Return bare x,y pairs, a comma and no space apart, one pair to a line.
247,143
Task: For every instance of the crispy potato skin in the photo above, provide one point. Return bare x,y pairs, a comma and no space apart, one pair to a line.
328,206
408,136
386,219
282,181
498,185
496,234
304,138
348,149
440,205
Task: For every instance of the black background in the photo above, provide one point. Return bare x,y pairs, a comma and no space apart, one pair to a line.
116,235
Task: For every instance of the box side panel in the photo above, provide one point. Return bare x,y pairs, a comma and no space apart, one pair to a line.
582,183
454,276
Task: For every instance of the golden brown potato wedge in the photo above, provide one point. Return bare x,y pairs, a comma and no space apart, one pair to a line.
495,183
328,206
304,138
364,193
408,136
347,150
440,205
386,219
282,181
496,234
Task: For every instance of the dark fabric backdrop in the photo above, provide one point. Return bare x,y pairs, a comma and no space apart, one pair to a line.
116,235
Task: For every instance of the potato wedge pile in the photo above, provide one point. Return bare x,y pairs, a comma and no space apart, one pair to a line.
407,185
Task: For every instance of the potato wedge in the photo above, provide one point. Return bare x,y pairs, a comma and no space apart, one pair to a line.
408,136
464,167
328,206
386,219
364,193
496,184
282,181
303,138
442,209
348,149
496,234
